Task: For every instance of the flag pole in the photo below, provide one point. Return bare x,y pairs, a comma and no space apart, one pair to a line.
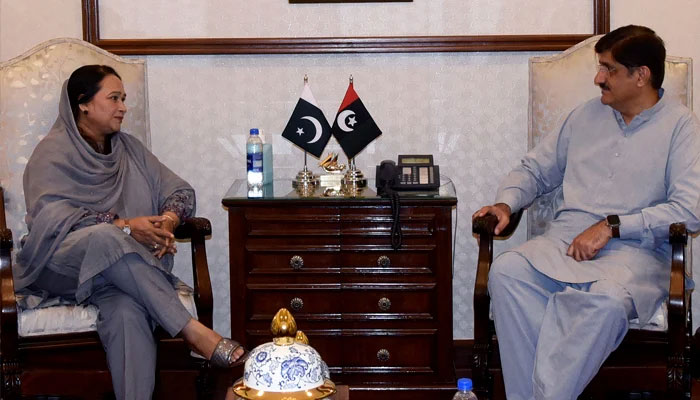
354,180
305,181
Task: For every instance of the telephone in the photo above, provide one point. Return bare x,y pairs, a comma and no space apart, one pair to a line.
413,172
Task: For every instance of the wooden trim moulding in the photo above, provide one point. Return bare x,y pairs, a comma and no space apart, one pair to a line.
305,45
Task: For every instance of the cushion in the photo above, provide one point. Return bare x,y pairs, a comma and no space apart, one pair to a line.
74,318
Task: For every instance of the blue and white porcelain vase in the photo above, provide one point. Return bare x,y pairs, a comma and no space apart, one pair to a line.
285,368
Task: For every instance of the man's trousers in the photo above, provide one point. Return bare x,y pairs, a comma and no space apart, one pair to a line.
553,336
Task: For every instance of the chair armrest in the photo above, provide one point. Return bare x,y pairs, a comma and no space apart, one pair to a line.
678,328
487,223
483,227
196,229
8,301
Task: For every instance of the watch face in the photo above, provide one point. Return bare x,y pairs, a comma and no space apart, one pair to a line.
613,220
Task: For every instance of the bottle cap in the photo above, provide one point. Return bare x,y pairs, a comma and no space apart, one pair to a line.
464,384
254,131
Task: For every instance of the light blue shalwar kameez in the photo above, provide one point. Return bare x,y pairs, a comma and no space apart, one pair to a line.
557,319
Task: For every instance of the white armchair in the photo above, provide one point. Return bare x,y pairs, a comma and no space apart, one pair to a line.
652,358
54,349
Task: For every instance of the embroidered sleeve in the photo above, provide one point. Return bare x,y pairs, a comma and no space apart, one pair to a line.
105,217
181,203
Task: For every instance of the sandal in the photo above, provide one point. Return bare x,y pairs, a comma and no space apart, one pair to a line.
221,357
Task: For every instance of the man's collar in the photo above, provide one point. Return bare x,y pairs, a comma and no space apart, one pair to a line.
642,117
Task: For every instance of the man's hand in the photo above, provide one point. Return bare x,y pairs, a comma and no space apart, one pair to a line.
500,211
589,242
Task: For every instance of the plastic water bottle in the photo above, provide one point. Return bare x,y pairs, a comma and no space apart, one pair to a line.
254,155
464,392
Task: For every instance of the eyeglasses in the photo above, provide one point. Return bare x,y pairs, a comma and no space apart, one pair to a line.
606,69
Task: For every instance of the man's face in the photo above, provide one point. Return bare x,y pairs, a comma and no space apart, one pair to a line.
619,85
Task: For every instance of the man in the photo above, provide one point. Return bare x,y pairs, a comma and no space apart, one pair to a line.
628,165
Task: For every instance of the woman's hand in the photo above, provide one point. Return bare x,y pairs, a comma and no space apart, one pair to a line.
169,221
154,232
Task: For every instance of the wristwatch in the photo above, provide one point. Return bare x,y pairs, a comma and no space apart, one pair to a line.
613,222
126,228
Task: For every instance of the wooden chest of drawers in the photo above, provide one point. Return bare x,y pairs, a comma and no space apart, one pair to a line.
375,314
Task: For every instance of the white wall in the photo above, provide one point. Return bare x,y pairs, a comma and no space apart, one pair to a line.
469,109
26,23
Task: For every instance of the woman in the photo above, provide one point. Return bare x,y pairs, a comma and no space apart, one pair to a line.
101,210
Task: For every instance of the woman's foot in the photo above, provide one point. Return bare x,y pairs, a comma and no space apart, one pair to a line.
220,351
228,353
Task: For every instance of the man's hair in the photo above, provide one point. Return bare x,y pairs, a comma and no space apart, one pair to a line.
636,46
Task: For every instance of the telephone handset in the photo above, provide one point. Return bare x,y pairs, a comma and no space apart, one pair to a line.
387,179
387,176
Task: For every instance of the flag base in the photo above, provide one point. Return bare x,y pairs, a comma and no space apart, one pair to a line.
354,179
305,178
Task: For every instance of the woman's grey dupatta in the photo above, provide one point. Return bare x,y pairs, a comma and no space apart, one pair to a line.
66,179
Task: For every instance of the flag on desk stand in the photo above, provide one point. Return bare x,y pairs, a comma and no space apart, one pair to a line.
308,127
353,127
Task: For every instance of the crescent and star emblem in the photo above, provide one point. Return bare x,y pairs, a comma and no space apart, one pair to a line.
317,126
341,120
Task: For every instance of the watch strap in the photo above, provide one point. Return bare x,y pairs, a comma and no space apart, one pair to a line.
613,221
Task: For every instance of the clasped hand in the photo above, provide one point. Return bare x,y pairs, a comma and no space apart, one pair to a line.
154,232
588,243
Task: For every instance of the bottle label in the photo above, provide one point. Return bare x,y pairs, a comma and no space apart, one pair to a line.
255,162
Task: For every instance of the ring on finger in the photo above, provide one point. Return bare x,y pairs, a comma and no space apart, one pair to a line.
155,246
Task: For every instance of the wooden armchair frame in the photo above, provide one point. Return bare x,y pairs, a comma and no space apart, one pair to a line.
646,361
74,365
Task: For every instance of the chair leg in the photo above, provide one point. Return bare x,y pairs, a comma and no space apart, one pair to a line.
677,377
11,382
205,383
482,379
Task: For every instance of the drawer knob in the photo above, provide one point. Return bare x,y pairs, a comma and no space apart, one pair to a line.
383,261
383,355
296,304
384,304
296,262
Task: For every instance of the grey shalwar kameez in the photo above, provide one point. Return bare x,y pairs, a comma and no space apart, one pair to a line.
558,319
68,253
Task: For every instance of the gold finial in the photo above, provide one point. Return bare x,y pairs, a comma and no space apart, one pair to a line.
301,338
283,327
306,79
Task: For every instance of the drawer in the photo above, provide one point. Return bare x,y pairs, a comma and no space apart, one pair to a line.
366,259
375,221
306,302
292,221
327,342
262,261
388,350
389,301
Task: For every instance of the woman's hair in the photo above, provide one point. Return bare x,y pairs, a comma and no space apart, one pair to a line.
84,82
636,46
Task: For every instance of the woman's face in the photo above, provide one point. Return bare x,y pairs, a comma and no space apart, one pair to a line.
106,110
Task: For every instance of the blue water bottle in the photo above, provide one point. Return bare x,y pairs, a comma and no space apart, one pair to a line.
254,156
464,392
